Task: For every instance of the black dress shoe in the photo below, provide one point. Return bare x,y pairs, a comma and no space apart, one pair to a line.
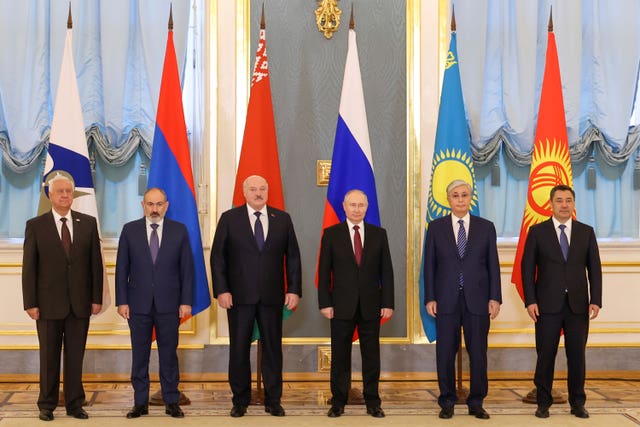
542,412
579,412
446,413
174,410
46,415
375,411
238,411
80,414
276,410
335,411
137,411
479,412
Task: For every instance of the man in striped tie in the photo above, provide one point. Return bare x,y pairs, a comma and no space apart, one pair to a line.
462,289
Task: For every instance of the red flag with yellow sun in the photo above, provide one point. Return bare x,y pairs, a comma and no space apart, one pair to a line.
550,161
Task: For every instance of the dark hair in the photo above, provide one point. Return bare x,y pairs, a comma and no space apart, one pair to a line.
562,187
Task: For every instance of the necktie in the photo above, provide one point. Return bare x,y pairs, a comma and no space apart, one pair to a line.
357,244
564,241
154,243
258,232
462,239
66,237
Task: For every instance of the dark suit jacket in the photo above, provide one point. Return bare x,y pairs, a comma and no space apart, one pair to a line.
546,275
253,276
169,283
51,281
342,284
480,266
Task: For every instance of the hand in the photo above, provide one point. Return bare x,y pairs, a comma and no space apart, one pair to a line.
225,300
593,311
327,312
123,310
386,313
533,311
34,313
184,311
432,308
291,301
95,308
494,309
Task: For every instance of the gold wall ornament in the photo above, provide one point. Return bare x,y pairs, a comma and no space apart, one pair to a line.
328,17
323,170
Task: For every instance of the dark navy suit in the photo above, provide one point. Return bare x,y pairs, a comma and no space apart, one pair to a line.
154,293
256,280
467,307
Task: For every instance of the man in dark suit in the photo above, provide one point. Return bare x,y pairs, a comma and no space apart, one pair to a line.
62,275
462,289
154,289
562,280
253,244
355,290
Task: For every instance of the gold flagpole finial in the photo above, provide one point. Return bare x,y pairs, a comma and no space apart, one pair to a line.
453,19
262,26
170,16
550,26
352,24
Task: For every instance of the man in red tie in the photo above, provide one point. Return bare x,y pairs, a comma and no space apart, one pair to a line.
62,276
355,289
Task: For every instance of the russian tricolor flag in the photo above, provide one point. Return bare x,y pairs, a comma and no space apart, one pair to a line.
171,168
351,163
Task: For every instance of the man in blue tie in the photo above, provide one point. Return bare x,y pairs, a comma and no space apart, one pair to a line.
462,289
254,251
154,289
562,281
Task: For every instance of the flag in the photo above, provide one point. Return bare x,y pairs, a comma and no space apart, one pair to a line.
451,160
351,162
550,161
170,169
67,150
259,152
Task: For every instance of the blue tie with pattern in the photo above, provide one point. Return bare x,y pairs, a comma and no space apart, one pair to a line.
462,245
258,232
564,241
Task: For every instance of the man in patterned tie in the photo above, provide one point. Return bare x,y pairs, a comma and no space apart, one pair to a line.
562,281
462,289
62,279
355,289
154,289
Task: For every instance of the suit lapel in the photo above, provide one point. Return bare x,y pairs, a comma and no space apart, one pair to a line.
550,233
52,230
451,236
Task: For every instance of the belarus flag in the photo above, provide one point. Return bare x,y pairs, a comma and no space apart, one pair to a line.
171,168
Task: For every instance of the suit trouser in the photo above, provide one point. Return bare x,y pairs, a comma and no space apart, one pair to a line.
141,327
576,331
341,343
476,329
241,319
52,333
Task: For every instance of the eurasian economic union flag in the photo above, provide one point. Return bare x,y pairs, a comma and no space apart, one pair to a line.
351,163
451,160
171,169
67,152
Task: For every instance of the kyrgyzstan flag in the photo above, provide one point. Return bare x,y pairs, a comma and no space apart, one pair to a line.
550,161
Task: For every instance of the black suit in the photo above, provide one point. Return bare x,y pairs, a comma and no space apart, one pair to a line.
64,289
256,280
464,306
154,294
357,294
563,291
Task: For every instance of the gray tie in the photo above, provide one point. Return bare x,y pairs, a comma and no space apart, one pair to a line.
154,243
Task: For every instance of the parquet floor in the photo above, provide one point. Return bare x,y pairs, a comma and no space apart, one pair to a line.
620,396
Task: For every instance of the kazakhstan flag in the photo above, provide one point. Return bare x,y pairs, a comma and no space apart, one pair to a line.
451,160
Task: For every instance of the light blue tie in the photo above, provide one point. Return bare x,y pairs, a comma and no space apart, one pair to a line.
462,245
564,241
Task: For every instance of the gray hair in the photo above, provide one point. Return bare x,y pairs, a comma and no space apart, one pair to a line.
355,190
59,176
457,183
244,183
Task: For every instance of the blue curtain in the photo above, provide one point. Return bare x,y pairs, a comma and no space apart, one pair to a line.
119,48
502,45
